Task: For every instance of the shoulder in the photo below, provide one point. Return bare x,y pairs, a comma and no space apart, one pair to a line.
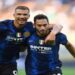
30,38
61,35
62,38
33,36
5,22
29,24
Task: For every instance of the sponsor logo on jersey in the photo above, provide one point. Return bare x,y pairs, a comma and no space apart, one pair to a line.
41,49
16,39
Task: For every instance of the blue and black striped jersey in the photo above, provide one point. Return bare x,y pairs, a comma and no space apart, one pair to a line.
42,57
11,39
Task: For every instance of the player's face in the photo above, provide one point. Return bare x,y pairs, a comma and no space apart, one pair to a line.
21,16
42,26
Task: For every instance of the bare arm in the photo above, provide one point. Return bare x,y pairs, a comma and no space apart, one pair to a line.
55,29
70,48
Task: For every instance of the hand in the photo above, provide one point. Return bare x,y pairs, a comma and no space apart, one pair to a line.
50,39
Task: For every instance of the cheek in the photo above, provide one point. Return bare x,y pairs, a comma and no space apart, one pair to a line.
16,17
27,17
47,26
37,28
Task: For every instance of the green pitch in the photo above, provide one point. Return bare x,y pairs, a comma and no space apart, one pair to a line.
66,71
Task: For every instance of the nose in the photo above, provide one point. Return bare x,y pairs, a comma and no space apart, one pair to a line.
22,16
42,28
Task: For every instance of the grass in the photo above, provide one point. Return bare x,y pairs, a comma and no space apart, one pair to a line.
66,71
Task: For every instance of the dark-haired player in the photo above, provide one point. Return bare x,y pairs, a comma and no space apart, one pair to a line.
43,59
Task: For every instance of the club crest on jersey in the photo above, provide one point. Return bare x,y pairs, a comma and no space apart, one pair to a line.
41,42
26,34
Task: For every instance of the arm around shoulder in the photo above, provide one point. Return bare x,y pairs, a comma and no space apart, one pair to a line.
56,29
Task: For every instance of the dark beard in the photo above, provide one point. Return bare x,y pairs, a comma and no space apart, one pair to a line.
43,35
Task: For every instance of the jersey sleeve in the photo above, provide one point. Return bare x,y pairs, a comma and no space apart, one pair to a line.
3,25
3,28
62,39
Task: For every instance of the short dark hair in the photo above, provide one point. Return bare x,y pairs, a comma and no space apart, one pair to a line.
22,8
40,16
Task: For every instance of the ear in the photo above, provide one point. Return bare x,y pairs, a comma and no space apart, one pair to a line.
51,25
28,16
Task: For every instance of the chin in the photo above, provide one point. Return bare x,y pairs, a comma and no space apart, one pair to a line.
22,22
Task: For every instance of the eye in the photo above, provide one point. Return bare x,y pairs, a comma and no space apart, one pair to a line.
44,25
25,14
39,25
18,14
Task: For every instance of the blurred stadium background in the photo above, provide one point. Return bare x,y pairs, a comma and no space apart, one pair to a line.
59,12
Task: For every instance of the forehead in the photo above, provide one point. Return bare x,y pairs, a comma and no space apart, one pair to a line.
21,11
41,21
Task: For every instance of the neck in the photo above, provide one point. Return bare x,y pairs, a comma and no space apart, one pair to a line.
16,24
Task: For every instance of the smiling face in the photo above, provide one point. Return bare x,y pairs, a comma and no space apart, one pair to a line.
21,16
